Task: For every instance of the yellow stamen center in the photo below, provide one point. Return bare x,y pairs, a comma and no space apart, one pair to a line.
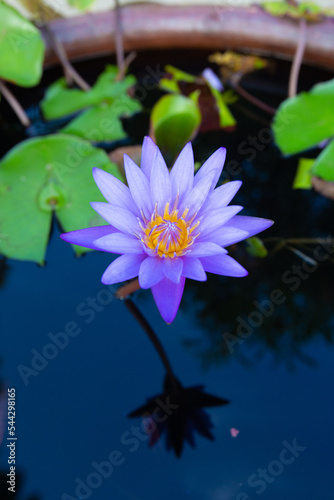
170,235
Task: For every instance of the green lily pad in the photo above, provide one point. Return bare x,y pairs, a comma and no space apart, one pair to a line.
323,166
45,175
102,123
21,49
175,120
304,121
61,101
303,177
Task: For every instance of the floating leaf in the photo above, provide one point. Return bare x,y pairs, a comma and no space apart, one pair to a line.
303,178
21,49
102,123
179,75
61,101
232,63
175,120
256,247
324,164
45,175
305,120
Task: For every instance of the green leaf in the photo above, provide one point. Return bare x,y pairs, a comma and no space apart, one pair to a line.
226,119
324,164
309,10
21,49
81,4
44,175
102,123
256,247
175,120
179,75
305,120
303,177
61,101
169,85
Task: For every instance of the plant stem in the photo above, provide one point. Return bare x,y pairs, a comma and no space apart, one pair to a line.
119,41
252,99
71,74
297,59
150,333
14,104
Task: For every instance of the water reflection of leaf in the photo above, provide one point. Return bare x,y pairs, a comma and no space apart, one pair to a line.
184,418
284,329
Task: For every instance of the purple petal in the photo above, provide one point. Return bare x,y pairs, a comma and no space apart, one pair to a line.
252,225
226,236
147,156
123,268
118,217
205,249
216,219
119,243
193,269
86,237
221,196
114,191
167,296
182,173
197,196
224,265
160,183
172,268
139,186
150,272
213,164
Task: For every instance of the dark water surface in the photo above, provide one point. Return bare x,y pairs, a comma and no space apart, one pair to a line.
72,409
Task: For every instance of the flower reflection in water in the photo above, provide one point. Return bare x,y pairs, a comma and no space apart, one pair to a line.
178,413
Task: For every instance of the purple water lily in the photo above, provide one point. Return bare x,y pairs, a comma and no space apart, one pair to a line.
168,226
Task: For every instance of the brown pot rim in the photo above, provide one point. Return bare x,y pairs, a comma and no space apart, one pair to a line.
161,27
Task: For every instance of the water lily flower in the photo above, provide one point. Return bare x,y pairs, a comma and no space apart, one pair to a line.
168,226
185,418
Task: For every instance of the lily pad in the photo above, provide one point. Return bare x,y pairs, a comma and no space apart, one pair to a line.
323,166
60,101
21,49
102,123
303,178
45,175
304,121
175,120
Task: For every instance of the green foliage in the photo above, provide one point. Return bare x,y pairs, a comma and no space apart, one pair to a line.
175,119
306,120
309,10
81,4
303,177
324,164
226,119
45,175
21,49
256,247
61,101
102,123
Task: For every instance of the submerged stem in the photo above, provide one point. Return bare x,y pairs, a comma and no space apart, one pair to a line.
254,100
71,74
151,334
297,59
14,104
